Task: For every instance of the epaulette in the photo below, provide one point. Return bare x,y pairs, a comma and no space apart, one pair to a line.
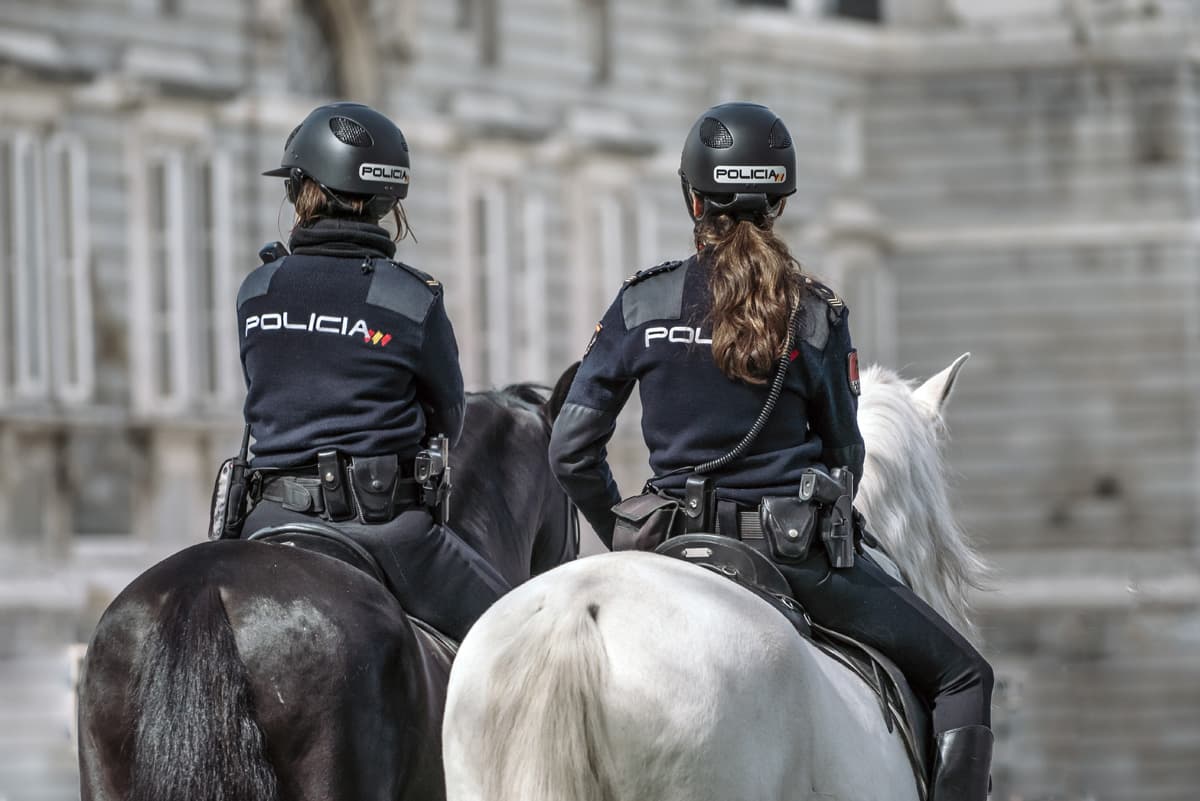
425,277
837,306
649,272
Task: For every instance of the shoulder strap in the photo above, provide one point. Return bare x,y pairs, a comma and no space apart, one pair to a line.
642,275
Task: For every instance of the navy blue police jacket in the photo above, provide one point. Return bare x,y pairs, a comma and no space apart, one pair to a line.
657,335
343,348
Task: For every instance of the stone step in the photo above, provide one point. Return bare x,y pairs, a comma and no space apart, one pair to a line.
40,779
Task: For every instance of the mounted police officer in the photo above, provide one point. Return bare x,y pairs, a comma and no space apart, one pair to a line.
351,363
712,342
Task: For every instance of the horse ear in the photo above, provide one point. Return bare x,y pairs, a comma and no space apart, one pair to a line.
559,396
936,391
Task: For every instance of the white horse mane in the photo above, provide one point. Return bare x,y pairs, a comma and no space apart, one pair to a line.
903,494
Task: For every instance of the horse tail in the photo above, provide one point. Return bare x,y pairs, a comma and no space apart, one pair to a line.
546,732
196,735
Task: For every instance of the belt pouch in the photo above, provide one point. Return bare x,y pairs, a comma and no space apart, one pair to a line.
296,496
644,521
699,505
332,470
788,525
374,484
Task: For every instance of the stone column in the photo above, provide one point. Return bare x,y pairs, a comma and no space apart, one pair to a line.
855,242
35,506
171,501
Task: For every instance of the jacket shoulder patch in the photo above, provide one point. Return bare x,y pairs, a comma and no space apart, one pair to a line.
643,300
837,306
425,277
258,282
402,289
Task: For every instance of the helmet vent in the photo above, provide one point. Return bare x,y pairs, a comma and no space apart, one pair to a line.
350,132
779,139
291,136
713,133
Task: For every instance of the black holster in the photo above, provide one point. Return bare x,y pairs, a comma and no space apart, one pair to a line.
432,472
834,492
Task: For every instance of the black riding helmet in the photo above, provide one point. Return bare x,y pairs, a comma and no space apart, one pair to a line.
739,158
349,149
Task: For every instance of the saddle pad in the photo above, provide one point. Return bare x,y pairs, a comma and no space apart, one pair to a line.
899,704
328,541
449,646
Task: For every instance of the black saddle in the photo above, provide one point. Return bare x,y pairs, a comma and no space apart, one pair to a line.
331,542
739,562
325,540
900,706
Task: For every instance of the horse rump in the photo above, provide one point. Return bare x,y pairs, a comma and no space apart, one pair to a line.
545,695
186,693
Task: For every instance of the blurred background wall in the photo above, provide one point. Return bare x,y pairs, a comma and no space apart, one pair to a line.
1015,178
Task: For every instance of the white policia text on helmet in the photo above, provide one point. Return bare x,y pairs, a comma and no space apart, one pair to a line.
749,175
384,173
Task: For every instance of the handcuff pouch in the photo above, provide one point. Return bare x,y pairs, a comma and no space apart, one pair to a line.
374,483
788,525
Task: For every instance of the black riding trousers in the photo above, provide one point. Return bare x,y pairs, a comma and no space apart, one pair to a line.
868,604
434,575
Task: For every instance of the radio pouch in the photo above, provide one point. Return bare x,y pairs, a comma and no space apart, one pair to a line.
645,521
374,485
788,525
232,496
230,500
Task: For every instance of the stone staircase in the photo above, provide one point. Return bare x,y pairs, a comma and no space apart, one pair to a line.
37,725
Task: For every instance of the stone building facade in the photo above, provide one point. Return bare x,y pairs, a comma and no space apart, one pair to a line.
1016,178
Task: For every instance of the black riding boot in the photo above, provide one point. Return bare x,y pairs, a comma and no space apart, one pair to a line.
962,764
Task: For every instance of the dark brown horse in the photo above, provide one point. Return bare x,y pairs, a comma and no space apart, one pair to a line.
246,671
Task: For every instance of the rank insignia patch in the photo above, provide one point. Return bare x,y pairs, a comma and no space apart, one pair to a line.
592,341
852,371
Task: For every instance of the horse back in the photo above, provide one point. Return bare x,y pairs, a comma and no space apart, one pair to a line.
506,504
683,685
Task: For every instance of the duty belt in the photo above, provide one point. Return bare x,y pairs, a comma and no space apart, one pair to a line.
305,494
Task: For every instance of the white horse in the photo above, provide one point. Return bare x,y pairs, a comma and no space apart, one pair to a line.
632,676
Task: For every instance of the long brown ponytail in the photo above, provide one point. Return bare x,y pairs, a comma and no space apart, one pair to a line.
755,283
